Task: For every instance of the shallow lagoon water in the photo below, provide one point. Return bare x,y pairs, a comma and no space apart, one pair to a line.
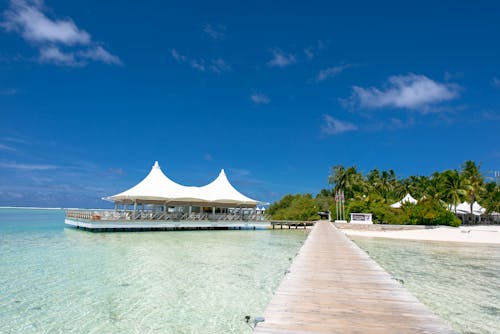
55,279
457,281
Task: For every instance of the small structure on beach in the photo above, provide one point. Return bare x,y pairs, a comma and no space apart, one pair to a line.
407,199
361,218
464,208
477,216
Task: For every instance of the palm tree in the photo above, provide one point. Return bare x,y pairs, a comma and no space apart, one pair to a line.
433,187
453,188
491,198
338,177
473,180
347,179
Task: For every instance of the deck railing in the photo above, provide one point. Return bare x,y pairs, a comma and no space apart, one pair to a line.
124,215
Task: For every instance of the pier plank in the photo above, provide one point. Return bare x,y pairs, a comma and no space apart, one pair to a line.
335,287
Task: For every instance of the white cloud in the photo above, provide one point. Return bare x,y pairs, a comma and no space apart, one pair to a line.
9,91
28,18
217,32
330,72
312,50
259,98
26,167
491,115
117,171
4,147
177,56
53,55
236,172
496,82
309,53
18,139
390,124
281,59
217,65
333,126
12,195
405,91
98,53
198,64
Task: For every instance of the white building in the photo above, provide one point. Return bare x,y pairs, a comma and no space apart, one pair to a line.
158,193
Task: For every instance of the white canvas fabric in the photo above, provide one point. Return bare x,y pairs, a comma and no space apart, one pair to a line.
221,190
407,199
464,208
156,186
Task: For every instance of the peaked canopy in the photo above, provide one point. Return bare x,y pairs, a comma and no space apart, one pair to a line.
407,199
221,190
464,208
156,187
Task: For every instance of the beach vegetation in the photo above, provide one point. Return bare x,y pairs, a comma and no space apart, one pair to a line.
438,195
474,182
295,207
490,198
453,188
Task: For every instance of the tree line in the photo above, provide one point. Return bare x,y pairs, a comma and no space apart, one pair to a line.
438,196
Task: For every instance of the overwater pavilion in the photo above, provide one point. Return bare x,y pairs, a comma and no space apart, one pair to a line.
157,197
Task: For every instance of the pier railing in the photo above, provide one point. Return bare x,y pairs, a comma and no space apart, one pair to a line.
130,215
289,223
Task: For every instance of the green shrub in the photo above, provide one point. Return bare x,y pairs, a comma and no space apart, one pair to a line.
295,207
432,212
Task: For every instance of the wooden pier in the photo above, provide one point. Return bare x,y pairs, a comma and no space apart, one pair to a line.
289,223
335,287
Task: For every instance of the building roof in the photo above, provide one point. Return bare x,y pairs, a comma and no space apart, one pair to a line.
221,190
156,187
407,199
464,208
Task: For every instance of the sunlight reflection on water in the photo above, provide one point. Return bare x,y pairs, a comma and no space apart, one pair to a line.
459,282
61,280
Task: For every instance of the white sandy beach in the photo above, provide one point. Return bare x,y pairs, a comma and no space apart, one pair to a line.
474,234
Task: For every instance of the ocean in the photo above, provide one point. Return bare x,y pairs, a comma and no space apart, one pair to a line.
56,279
460,282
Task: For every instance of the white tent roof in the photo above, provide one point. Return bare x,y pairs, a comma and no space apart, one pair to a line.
158,187
221,190
155,186
464,208
407,199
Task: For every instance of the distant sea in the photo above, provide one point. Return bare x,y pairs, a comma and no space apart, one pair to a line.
460,282
56,279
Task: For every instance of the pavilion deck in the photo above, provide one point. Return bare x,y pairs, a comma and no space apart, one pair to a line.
335,287
131,220
133,215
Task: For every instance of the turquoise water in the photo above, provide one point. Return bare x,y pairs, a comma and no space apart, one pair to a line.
55,279
459,282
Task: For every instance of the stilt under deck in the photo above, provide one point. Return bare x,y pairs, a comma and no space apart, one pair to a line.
335,287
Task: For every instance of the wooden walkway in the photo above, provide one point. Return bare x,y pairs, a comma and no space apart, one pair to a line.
335,287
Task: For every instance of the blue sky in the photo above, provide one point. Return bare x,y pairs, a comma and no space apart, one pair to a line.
93,92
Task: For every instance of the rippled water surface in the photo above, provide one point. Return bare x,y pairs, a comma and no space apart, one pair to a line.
55,279
459,282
